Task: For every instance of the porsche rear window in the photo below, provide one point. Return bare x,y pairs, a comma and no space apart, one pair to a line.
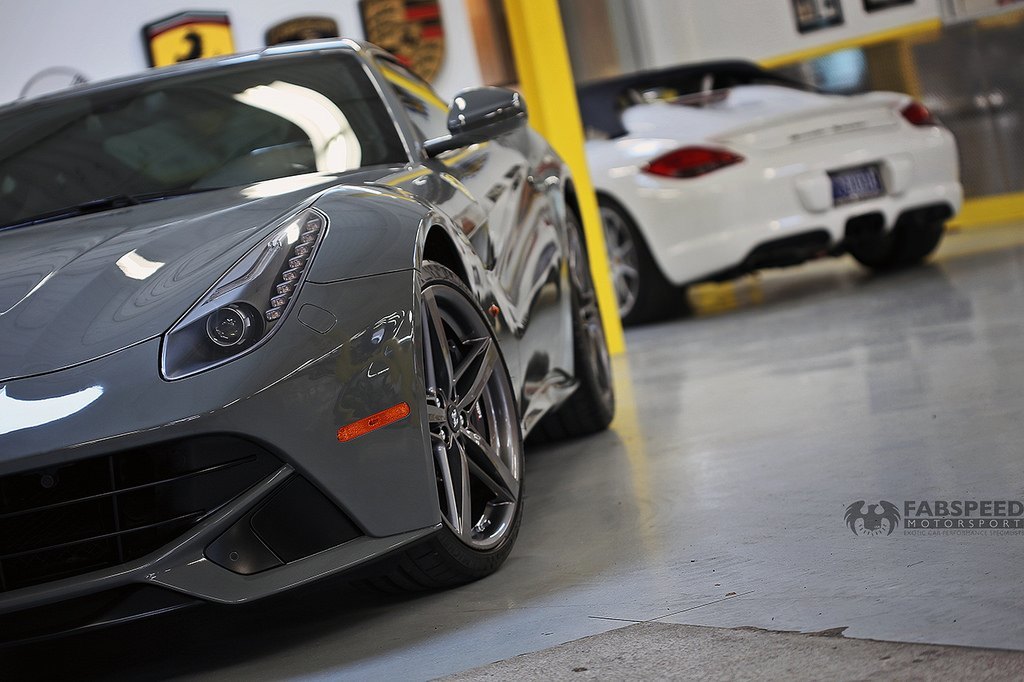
222,127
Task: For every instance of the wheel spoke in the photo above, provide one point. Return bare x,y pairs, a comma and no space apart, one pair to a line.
439,370
623,248
621,286
489,467
445,470
623,258
478,366
474,348
466,498
439,347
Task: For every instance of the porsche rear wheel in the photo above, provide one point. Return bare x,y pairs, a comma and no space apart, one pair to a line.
916,242
641,290
909,243
475,440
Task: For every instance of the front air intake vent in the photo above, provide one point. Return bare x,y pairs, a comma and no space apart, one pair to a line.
90,514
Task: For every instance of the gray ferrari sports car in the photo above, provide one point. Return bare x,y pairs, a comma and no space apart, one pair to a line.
271,317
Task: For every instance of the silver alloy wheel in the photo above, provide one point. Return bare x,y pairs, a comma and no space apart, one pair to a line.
589,315
622,258
474,427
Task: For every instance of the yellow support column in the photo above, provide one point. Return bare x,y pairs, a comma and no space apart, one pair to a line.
545,76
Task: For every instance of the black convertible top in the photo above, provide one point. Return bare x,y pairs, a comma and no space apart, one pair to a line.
602,101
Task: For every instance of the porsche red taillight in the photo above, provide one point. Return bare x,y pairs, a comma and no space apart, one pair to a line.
691,162
917,114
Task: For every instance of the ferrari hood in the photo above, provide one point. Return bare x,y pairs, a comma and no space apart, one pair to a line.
80,288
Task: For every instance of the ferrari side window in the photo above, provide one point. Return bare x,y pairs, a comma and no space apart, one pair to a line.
428,112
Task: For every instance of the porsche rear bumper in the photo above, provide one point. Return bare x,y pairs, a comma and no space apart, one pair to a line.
702,227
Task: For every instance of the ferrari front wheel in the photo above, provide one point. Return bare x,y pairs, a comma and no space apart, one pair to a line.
475,440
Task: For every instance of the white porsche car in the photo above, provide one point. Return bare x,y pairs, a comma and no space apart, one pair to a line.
708,171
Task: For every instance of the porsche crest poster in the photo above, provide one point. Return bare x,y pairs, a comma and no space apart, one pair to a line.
410,29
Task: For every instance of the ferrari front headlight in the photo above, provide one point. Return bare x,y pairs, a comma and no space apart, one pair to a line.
246,305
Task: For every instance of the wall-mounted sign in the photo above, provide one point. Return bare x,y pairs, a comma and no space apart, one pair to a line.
188,35
410,29
963,10
812,15
302,28
875,5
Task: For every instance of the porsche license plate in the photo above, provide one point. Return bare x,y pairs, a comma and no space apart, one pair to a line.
856,184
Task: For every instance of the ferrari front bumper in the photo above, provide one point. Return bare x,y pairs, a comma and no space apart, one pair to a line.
348,350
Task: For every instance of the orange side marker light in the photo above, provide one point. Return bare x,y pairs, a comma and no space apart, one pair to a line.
373,422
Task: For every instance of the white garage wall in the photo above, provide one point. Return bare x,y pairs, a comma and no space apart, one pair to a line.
103,39
676,31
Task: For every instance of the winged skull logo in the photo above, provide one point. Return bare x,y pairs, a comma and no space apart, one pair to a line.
871,521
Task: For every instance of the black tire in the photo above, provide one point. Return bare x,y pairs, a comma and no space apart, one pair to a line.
915,242
451,556
651,297
873,251
591,407
906,245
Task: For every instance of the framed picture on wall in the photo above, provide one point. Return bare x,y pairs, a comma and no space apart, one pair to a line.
965,10
188,35
875,5
301,28
409,29
812,15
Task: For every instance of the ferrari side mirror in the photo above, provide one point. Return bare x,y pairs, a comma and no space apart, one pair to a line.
480,114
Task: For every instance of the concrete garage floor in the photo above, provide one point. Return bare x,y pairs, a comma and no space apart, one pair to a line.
659,650
718,497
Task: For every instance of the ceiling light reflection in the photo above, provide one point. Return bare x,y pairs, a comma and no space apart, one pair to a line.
334,143
16,415
137,267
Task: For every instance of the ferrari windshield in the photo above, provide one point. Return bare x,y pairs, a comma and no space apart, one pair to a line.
216,128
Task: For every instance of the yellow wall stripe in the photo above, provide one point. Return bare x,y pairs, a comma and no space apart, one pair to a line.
1002,208
900,32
